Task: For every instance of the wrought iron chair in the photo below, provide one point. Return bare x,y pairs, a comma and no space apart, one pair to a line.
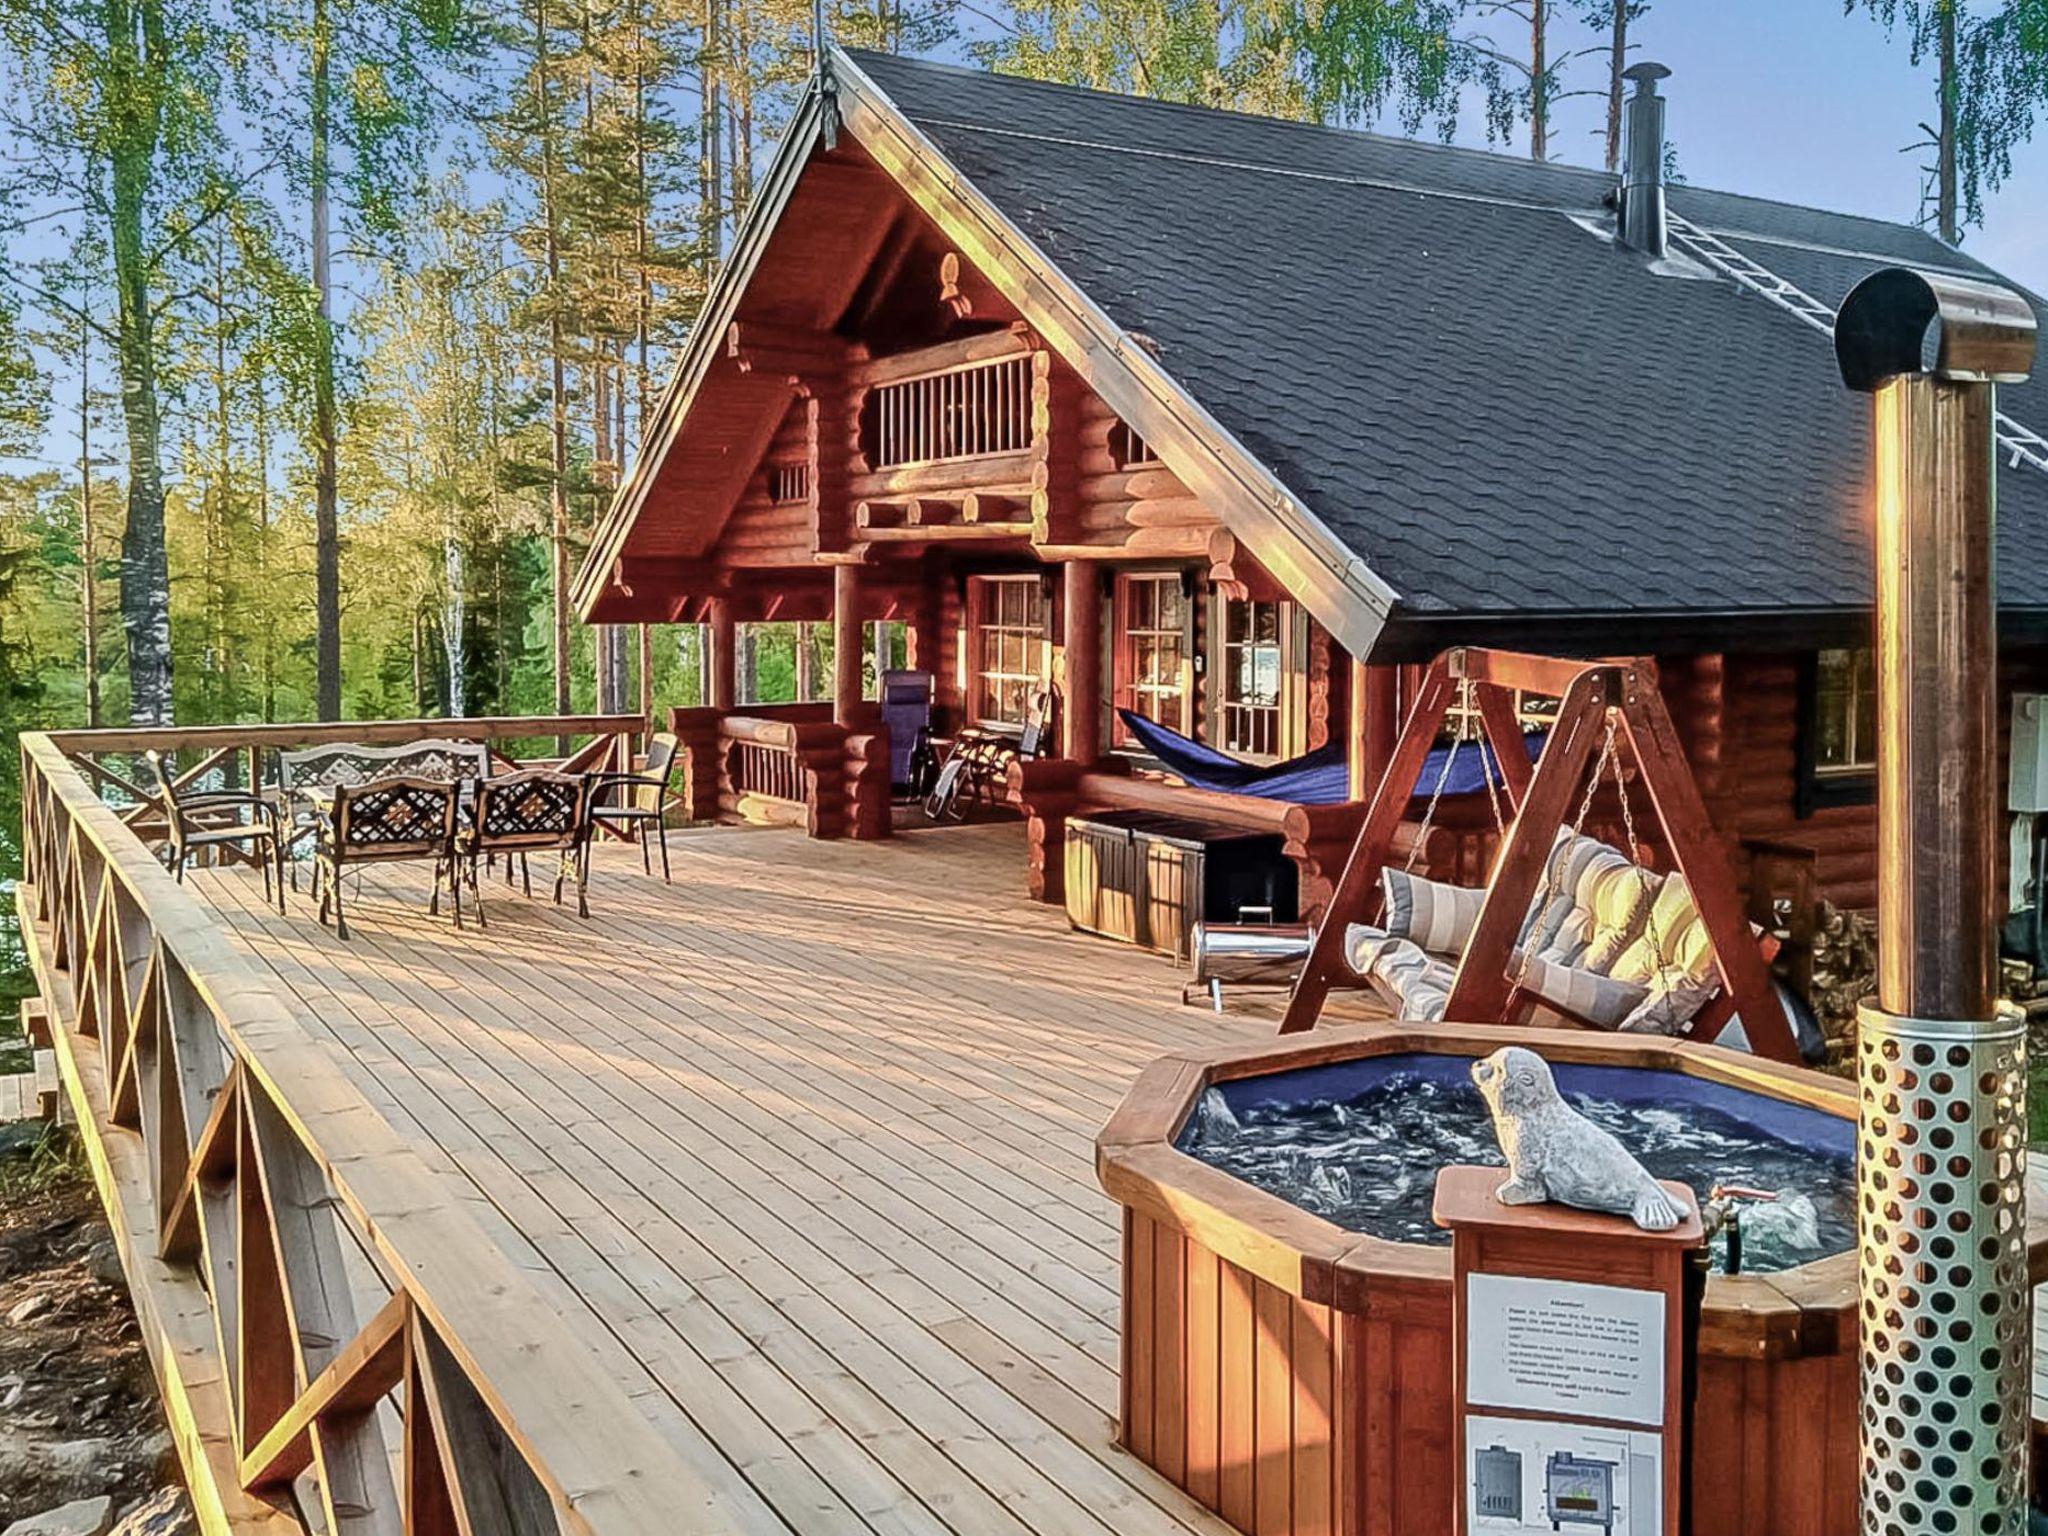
380,822
217,818
642,799
344,762
522,813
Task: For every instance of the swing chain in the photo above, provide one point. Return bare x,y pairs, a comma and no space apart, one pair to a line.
1442,778
1628,824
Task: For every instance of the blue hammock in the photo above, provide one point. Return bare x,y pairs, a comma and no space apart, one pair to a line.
1315,778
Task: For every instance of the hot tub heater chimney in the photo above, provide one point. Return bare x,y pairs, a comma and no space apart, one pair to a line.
1940,1166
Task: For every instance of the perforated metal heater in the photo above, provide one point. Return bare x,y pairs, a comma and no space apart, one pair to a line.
1940,1153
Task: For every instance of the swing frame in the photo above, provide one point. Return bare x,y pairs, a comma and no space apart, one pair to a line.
1590,694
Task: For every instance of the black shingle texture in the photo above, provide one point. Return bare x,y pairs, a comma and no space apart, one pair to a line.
1501,412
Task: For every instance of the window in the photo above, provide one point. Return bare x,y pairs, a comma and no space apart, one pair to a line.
1254,659
1462,722
888,643
1129,450
1152,646
1010,654
1838,730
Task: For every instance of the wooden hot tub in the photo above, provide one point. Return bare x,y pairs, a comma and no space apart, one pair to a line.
1295,1377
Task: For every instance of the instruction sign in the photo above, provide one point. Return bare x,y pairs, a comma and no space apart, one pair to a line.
1555,1346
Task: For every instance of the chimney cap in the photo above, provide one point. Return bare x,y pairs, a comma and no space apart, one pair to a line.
1646,75
1900,321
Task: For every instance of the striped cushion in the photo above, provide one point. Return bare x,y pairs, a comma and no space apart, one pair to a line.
1621,904
1670,1007
1681,950
1420,983
1582,993
1588,869
1437,916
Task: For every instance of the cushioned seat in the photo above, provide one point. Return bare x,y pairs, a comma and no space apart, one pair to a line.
1604,940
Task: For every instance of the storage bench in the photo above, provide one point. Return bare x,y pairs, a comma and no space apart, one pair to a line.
1148,877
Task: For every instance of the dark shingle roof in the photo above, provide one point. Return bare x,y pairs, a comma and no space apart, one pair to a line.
1499,411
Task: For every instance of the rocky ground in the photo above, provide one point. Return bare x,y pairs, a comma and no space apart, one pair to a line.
83,1449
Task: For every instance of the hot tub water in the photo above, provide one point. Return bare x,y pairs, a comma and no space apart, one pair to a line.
1359,1144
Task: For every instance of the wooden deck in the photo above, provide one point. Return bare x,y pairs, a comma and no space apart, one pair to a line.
800,1145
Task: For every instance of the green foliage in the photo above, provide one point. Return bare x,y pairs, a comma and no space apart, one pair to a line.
1990,66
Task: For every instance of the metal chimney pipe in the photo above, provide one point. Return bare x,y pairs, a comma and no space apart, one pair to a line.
1941,1218
1642,169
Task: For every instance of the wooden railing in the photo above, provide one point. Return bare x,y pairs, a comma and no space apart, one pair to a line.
245,756
969,410
786,765
327,1324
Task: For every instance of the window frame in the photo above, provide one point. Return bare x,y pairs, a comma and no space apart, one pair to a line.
1037,657
1819,786
1124,686
1291,704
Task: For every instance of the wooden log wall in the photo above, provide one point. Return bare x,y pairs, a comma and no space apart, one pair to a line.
762,531
1138,511
1738,716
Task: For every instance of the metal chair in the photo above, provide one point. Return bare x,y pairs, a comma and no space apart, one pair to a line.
335,764
217,818
643,798
978,767
523,813
381,822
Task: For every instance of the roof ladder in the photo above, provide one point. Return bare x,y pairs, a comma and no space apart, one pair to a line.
2022,444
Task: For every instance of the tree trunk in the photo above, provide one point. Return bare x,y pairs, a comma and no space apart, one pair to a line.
711,133
1947,224
1617,61
269,610
88,555
558,401
145,567
1539,84
326,513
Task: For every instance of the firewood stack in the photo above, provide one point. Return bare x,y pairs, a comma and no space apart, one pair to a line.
1844,974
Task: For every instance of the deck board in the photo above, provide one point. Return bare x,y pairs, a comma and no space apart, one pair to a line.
801,1146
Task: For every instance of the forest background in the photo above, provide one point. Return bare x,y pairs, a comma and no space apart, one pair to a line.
327,327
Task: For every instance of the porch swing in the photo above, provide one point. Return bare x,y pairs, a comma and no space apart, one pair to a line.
1567,928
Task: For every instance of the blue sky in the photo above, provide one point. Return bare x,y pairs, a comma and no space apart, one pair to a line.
1790,99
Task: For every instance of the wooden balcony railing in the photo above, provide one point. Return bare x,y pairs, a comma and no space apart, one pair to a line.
786,765
333,1333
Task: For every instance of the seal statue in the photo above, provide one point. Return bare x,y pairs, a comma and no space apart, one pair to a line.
1556,1153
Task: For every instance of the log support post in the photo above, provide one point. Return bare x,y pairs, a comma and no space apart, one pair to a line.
1083,645
846,644
721,635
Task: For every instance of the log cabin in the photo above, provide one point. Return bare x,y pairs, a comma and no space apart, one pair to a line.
1233,423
